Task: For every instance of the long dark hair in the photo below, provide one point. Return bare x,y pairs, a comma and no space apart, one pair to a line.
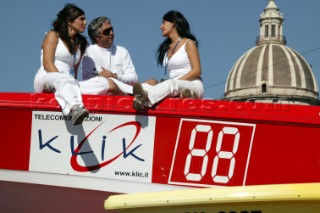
183,30
70,12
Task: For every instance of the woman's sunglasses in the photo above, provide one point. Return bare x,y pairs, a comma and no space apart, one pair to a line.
107,31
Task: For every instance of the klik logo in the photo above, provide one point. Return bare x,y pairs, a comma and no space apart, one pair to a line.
79,150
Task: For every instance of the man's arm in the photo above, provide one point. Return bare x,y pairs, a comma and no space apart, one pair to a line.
129,74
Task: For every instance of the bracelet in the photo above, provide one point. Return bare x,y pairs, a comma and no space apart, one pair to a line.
116,75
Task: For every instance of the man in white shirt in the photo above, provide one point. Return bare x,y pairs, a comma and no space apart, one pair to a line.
103,58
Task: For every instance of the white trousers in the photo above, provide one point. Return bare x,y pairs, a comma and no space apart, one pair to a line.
126,88
94,86
68,90
172,88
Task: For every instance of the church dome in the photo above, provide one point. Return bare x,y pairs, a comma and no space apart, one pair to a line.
271,71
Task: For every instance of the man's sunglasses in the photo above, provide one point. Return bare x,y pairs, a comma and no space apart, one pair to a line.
107,31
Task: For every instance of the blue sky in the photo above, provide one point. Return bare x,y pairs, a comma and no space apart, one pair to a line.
225,30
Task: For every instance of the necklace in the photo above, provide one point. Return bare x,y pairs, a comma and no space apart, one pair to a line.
175,46
167,61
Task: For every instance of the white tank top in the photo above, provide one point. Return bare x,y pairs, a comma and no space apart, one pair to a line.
179,64
63,60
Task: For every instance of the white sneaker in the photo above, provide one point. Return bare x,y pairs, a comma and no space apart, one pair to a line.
78,114
140,97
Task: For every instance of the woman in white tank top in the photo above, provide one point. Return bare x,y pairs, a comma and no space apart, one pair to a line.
179,56
61,52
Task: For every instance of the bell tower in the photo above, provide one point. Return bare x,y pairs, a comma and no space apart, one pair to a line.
271,26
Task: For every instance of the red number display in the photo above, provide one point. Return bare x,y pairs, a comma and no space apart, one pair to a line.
211,153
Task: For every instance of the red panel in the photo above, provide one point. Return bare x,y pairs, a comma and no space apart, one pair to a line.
206,108
211,153
280,153
285,154
164,144
285,146
15,139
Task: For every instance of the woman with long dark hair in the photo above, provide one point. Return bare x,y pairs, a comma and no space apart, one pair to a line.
62,49
179,56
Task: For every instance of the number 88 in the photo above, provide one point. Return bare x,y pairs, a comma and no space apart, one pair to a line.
204,153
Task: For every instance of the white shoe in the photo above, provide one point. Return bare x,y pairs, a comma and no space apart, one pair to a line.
140,97
78,114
